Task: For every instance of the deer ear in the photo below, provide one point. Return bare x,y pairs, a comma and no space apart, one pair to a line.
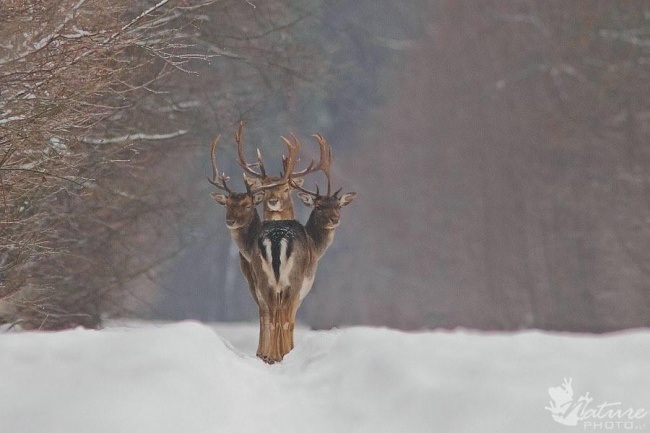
307,199
219,198
252,182
258,198
347,199
298,182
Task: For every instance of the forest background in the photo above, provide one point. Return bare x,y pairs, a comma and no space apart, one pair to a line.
499,149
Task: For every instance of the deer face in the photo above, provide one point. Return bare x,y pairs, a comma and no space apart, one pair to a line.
278,198
240,207
327,209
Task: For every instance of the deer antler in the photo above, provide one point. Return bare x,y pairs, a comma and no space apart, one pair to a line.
220,180
217,180
289,162
324,165
242,158
326,160
325,153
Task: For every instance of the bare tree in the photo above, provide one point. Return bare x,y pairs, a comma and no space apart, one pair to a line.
103,106
70,71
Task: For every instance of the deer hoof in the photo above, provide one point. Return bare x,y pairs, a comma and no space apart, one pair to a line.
268,359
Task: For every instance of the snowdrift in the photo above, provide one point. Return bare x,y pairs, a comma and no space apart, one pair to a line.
188,377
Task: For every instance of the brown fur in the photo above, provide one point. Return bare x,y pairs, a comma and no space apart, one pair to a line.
284,297
278,293
278,203
244,223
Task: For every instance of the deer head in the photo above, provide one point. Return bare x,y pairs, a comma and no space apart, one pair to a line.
240,207
326,208
278,204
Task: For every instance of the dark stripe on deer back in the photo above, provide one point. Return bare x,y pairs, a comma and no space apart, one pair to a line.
275,232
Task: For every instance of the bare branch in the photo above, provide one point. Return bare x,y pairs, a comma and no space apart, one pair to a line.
134,137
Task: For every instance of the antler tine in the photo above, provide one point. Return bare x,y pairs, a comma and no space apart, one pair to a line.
252,191
215,171
260,163
315,194
325,163
289,162
312,167
242,158
282,181
213,158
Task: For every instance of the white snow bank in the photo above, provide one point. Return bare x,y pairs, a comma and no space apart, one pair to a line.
185,378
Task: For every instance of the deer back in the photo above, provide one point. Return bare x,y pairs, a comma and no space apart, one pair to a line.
285,253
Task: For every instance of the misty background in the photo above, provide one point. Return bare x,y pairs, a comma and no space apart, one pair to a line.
499,150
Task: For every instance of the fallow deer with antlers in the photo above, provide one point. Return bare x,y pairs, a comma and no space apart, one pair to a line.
278,204
289,255
279,257
245,225
326,209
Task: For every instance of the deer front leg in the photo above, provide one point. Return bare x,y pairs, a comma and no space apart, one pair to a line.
286,342
289,311
260,293
282,326
287,306
264,337
299,285
270,335
276,334
293,310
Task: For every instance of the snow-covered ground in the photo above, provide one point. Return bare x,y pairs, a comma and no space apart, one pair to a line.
188,377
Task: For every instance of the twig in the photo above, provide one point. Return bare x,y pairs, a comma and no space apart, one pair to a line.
134,137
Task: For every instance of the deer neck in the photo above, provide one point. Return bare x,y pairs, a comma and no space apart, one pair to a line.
321,236
245,235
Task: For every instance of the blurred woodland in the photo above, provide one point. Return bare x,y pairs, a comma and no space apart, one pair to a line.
499,149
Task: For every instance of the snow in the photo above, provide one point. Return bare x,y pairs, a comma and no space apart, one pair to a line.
189,377
11,119
78,33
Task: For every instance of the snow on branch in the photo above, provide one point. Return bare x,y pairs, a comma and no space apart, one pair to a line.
46,40
134,137
147,12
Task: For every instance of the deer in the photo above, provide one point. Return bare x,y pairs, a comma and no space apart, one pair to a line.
244,223
278,204
325,215
289,256
279,257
